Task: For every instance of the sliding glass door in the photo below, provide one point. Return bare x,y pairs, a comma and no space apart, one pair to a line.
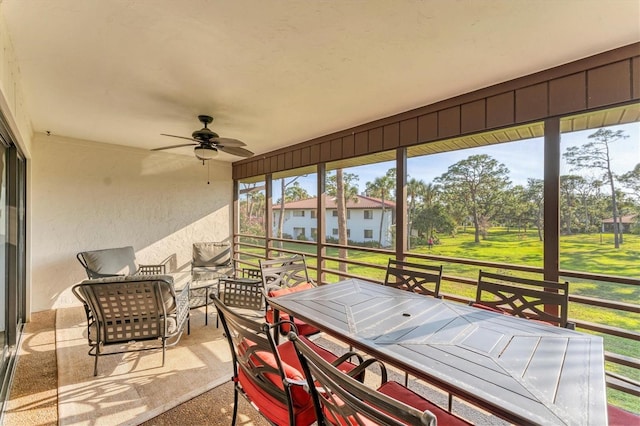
12,254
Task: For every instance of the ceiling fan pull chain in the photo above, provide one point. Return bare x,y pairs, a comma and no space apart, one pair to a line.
208,170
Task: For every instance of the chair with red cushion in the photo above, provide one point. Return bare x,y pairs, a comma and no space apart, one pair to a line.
341,400
282,276
620,417
524,297
270,376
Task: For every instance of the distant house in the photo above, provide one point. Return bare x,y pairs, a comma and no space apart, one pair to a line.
628,222
363,219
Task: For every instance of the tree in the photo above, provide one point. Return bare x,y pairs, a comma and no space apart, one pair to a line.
535,196
251,222
432,218
478,183
295,192
416,189
568,193
514,210
289,193
596,155
631,180
342,187
381,187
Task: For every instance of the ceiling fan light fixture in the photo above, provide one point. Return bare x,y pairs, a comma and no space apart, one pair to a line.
205,152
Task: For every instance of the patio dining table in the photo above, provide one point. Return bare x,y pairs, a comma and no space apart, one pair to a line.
523,371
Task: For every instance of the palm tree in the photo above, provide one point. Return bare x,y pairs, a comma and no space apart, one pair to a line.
342,187
381,187
292,193
415,190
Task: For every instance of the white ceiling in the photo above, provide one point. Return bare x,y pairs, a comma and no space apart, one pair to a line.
275,73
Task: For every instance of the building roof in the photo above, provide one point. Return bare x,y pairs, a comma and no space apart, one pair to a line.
362,202
630,218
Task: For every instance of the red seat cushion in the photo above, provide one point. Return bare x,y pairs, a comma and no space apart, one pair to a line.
303,328
396,391
620,417
293,370
288,290
272,408
287,352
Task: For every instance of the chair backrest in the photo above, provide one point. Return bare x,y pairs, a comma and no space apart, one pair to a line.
284,272
341,399
130,307
251,273
241,293
524,297
415,277
211,255
256,362
108,262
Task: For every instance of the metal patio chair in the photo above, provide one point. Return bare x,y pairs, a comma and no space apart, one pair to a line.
282,276
269,375
524,297
342,400
129,309
114,262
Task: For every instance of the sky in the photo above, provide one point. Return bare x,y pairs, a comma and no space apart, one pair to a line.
524,159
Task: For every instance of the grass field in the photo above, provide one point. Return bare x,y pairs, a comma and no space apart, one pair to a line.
593,253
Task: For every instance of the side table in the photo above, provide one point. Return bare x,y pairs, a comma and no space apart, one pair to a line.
202,286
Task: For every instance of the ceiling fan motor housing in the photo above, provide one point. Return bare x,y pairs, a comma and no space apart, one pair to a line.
204,134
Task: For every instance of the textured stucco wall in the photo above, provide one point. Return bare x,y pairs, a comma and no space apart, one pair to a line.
11,100
89,195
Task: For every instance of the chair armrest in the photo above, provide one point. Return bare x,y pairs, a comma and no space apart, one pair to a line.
293,382
87,309
347,357
360,369
182,306
183,295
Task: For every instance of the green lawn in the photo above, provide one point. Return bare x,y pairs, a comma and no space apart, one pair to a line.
585,252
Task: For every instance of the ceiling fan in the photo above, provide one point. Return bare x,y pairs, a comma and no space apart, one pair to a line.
207,143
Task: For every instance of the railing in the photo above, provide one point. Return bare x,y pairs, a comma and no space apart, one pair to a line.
620,382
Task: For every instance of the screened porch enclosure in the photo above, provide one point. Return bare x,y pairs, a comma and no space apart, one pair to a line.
545,189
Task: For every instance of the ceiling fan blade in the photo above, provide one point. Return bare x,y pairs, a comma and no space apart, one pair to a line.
227,142
174,146
234,150
181,137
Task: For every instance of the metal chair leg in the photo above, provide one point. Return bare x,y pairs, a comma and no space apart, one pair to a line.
235,404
